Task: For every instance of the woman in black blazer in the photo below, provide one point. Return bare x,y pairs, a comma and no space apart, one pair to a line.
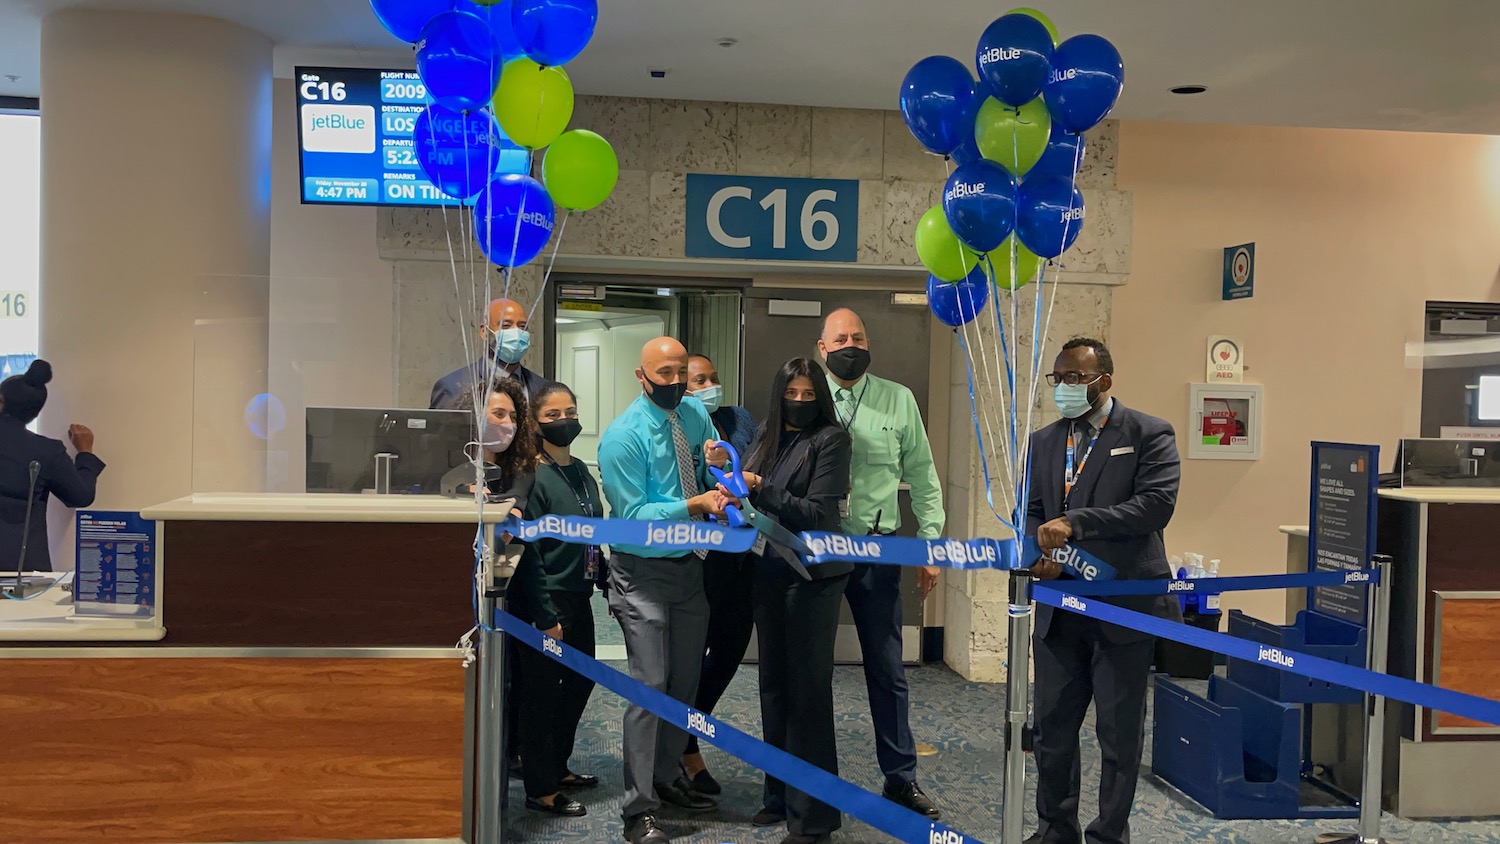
798,473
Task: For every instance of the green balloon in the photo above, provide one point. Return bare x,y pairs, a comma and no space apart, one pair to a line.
580,170
940,250
1027,264
1013,138
1028,12
533,103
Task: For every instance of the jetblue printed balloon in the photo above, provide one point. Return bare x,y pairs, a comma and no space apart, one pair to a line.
513,219
1049,215
1064,154
955,303
980,204
1086,79
1014,56
937,103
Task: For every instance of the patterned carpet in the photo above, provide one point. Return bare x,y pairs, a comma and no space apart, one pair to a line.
964,721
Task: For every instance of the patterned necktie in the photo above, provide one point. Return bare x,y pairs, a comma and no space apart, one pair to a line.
844,404
685,474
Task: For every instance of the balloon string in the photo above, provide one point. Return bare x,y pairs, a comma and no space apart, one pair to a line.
993,436
547,275
974,414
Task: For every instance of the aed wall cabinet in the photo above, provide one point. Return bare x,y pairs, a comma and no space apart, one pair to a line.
1224,421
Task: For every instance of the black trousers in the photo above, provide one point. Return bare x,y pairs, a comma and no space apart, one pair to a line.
1076,663
553,699
797,621
874,594
728,580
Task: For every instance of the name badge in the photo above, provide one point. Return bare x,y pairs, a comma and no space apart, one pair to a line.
1124,449
844,507
759,548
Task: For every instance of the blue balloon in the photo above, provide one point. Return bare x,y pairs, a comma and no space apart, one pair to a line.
968,146
958,302
497,15
406,18
980,203
553,32
513,219
1086,79
265,416
459,59
457,151
1049,215
1014,56
938,103
1063,156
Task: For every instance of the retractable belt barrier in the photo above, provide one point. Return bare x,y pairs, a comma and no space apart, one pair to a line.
1306,665
848,798
1214,585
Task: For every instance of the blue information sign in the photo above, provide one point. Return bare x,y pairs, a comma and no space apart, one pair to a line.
1341,529
116,569
1239,272
772,219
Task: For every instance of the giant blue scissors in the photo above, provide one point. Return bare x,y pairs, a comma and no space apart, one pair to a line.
745,514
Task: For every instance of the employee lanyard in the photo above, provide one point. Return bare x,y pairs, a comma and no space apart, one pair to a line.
1071,477
585,501
859,401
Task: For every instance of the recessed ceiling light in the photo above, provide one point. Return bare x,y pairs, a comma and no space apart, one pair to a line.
727,42
657,72
1189,89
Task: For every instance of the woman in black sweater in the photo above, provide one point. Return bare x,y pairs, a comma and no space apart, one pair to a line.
552,590
798,472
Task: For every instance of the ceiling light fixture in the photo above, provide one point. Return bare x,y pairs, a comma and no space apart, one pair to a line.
727,42
1189,89
657,72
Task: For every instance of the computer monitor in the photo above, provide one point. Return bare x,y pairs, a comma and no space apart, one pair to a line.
342,443
1449,463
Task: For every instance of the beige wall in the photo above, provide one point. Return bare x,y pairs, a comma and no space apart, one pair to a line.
1353,232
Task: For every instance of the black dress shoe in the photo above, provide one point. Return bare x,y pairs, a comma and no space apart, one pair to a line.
912,797
573,780
678,793
561,804
825,838
1034,838
766,817
703,782
642,829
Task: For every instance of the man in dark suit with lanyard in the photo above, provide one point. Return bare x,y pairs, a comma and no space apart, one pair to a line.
1104,478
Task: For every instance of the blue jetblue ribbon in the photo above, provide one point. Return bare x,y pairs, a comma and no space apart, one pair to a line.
824,547
1306,665
1215,585
852,800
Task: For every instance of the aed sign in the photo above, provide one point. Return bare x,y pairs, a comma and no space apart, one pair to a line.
1239,272
760,218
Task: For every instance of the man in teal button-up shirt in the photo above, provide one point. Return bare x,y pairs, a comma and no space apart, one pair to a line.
890,446
654,461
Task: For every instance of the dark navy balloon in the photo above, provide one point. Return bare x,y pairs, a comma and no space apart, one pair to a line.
497,15
980,204
955,303
938,103
1014,56
1064,154
460,61
1049,215
513,219
1086,79
553,32
456,150
405,18
968,146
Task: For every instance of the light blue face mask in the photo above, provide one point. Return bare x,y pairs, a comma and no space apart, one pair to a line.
1072,400
511,344
710,396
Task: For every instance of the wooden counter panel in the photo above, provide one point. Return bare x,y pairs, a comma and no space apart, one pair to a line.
217,750
316,584
1461,543
1469,660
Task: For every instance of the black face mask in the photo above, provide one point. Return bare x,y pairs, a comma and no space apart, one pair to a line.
561,432
799,414
667,396
849,363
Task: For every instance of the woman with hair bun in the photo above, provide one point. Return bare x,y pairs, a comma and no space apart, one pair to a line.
71,479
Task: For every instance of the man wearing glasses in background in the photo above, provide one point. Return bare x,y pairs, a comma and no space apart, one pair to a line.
1103,478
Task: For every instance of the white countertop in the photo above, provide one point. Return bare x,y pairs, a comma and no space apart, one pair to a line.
1294,530
313,507
1445,495
49,618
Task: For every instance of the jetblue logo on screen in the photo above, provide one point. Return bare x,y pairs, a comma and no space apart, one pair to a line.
338,128
1072,603
1276,657
698,723
683,535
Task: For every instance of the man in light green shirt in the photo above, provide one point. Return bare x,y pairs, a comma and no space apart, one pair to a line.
890,446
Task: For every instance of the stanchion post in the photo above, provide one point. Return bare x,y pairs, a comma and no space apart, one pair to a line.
1374,769
1018,704
490,755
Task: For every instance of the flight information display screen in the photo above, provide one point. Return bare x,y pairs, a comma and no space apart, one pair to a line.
354,132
